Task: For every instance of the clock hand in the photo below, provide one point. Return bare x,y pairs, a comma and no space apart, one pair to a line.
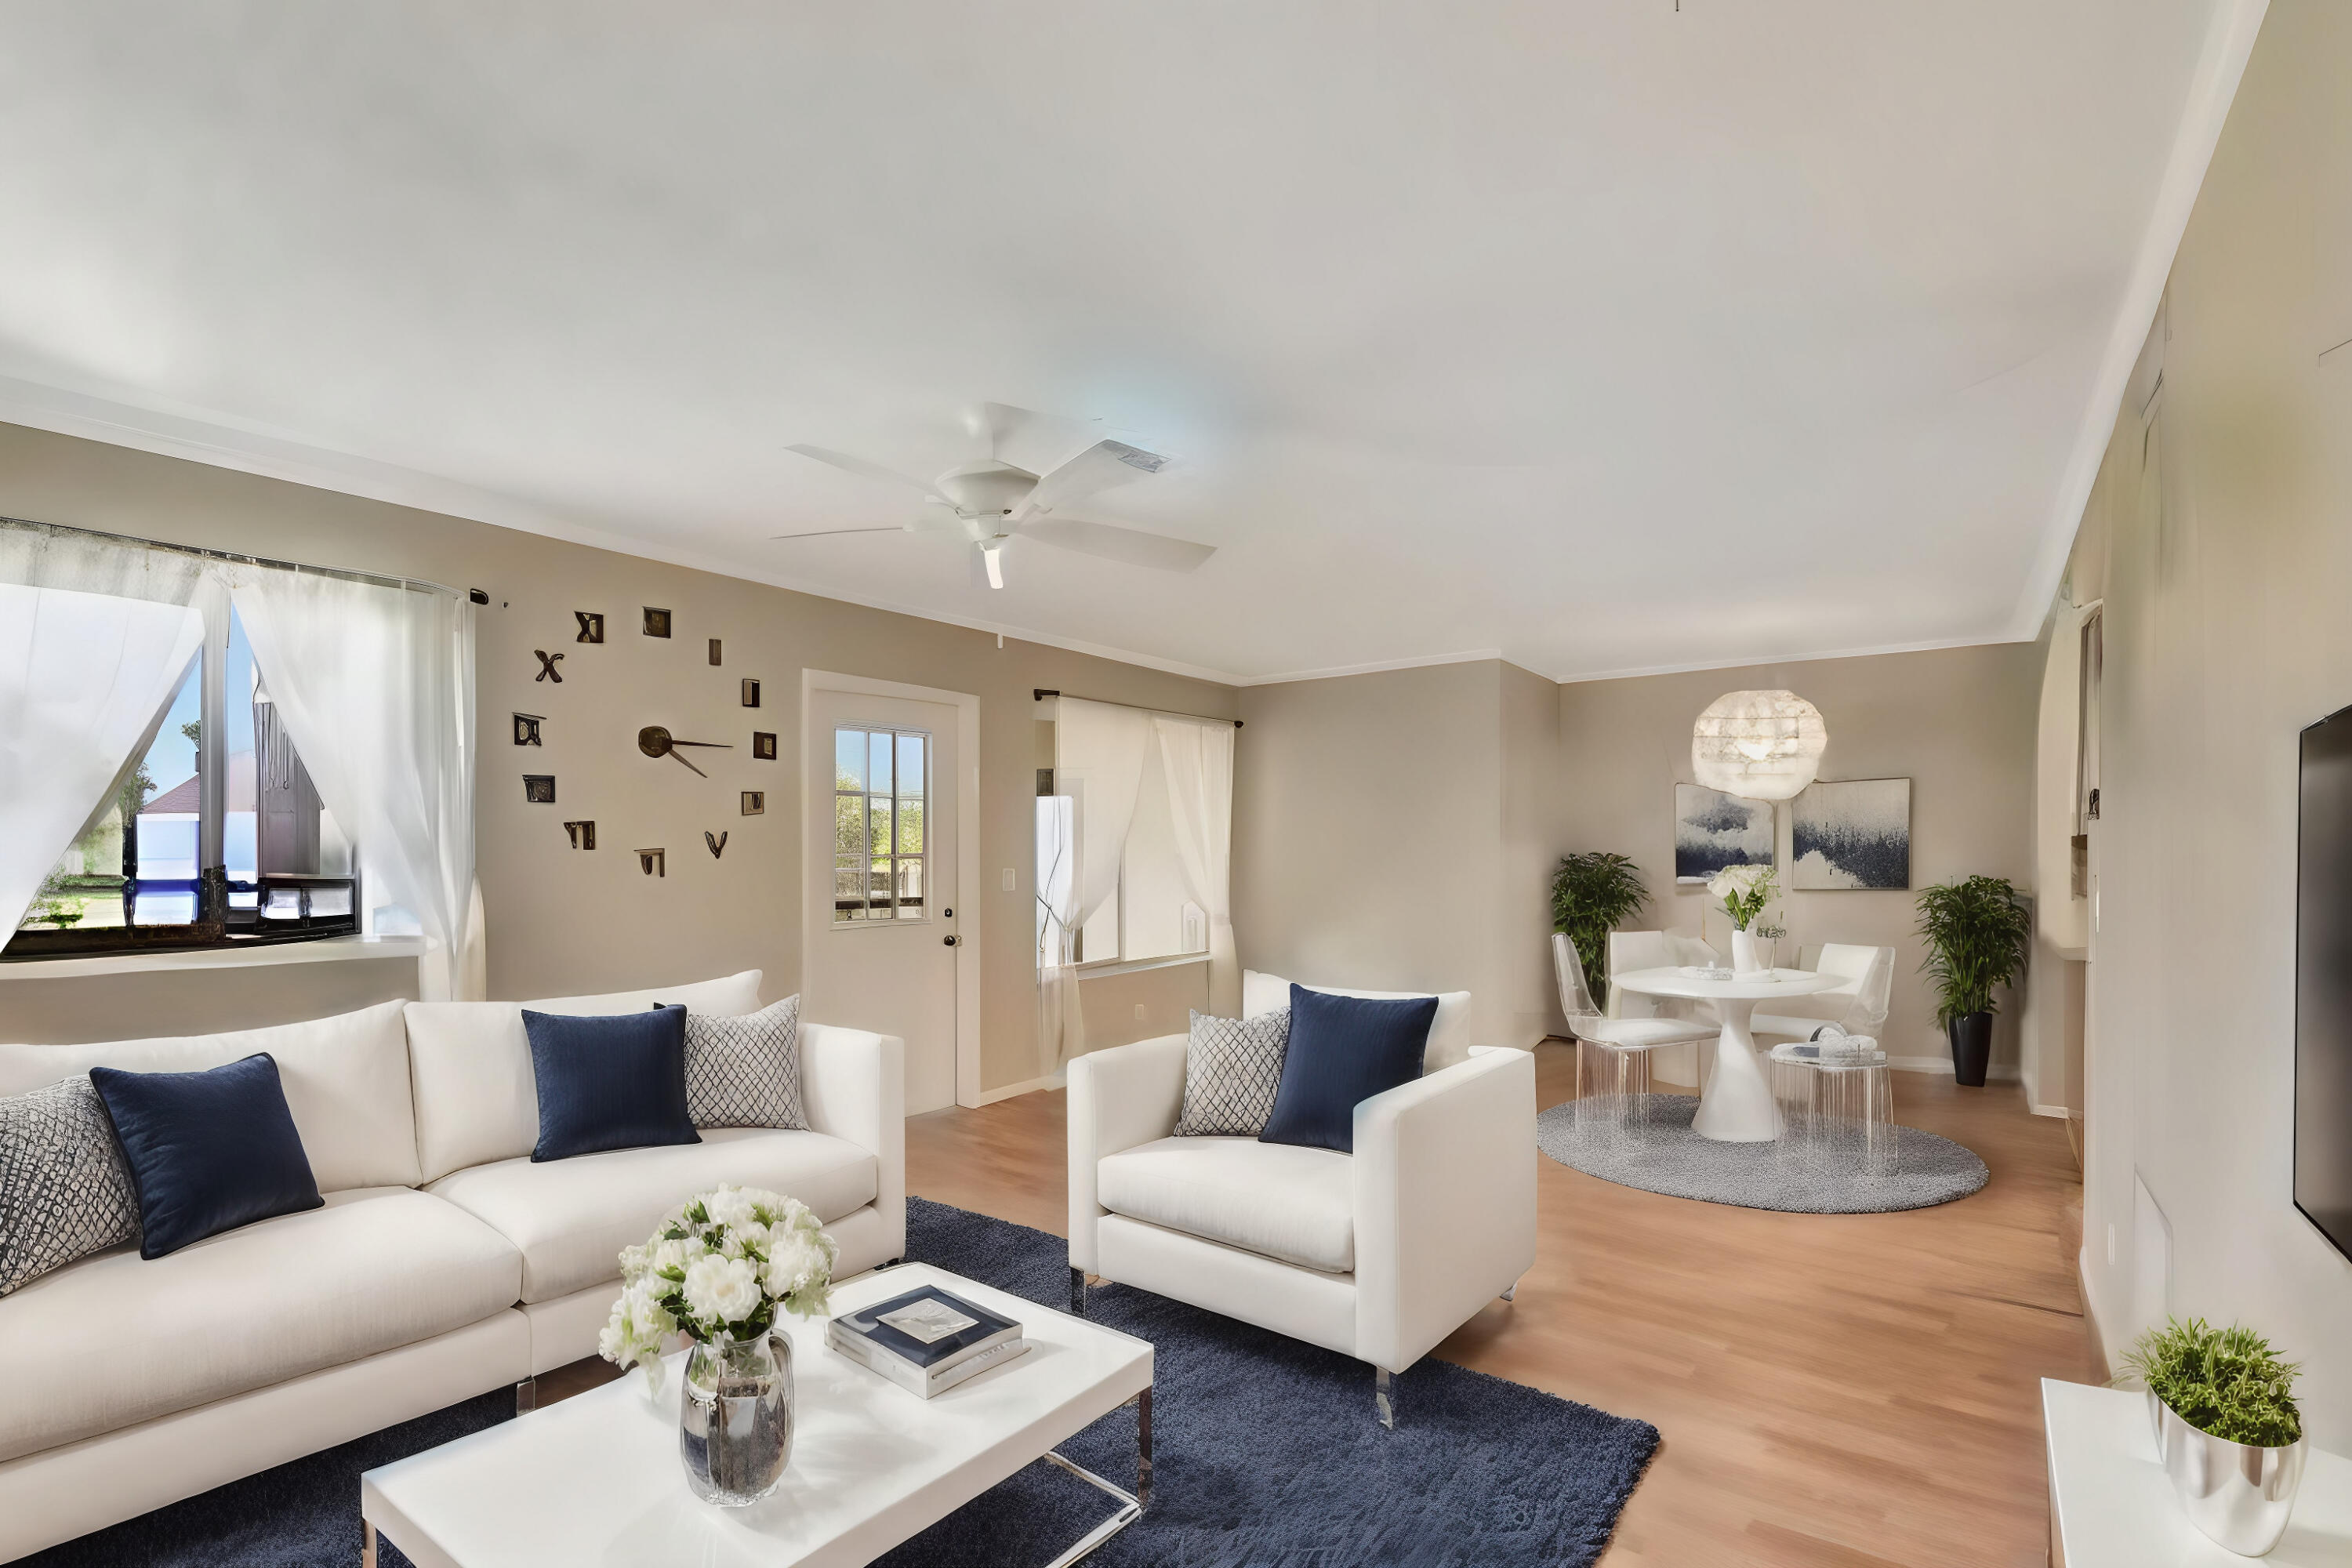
684,764
723,745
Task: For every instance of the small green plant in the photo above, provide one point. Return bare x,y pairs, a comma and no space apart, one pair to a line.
1592,894
1978,931
2228,1382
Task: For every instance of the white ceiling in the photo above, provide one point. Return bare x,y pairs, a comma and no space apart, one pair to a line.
1605,337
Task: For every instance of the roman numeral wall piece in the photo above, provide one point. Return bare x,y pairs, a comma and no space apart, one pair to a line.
538,789
750,694
592,625
653,862
755,803
526,728
584,833
764,746
547,663
714,650
716,844
656,622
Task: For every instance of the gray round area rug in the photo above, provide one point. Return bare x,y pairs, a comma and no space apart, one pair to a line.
1660,1153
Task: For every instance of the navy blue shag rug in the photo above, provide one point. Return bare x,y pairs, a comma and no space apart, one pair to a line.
1264,1451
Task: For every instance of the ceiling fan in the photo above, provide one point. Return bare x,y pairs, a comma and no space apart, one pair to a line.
989,503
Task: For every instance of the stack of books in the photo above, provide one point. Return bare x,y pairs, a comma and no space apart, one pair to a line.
926,1340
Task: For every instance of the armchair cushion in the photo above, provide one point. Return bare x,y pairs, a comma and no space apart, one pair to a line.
1232,1068
1449,1035
1343,1050
1277,1200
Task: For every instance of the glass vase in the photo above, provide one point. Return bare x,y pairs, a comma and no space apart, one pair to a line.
735,1418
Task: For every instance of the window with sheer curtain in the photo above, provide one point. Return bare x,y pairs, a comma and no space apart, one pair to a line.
202,749
1134,835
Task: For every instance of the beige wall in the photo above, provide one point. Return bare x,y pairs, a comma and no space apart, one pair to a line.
1959,723
560,921
2227,568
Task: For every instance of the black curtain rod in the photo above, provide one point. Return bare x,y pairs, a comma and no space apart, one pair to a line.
1039,694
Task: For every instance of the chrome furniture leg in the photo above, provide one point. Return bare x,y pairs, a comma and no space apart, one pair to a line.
1384,1397
367,1544
526,1396
1512,1293
1134,1503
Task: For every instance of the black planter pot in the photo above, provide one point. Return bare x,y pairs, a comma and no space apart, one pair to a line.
1971,1036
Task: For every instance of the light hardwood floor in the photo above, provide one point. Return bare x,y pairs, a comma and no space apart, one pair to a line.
1834,1391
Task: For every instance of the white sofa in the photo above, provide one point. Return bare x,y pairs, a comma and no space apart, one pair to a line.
445,1263
1377,1255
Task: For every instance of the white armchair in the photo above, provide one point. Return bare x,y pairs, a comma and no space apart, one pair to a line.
1377,1255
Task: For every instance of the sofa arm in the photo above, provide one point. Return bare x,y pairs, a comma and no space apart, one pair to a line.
853,1086
1119,1098
1446,1201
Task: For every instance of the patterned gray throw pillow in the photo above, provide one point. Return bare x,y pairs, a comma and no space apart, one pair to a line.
65,1191
746,1071
1232,1067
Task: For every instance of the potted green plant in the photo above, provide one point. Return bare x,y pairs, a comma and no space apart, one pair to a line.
2226,1428
1978,931
1592,894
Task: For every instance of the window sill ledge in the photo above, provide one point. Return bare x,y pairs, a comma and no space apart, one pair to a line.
331,950
1137,966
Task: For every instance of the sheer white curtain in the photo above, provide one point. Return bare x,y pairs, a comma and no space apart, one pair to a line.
1099,751
376,685
96,634
1198,760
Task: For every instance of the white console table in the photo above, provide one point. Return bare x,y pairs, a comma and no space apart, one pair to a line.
2111,1507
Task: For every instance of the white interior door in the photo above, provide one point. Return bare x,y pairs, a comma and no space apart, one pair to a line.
880,808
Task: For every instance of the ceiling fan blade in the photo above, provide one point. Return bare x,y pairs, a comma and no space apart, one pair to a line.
859,466
1099,466
1128,546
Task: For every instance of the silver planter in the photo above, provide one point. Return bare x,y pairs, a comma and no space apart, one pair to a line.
2240,1495
735,1419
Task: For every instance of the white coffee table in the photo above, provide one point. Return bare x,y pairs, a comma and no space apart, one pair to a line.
1735,1103
595,1479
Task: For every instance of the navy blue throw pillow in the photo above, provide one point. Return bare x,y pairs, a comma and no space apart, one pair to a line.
1343,1050
207,1150
614,1082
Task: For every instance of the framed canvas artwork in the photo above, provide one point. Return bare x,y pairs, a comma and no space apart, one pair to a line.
1851,834
1713,830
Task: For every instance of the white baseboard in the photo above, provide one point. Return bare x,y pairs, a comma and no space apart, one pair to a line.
2060,1111
991,1095
1943,1065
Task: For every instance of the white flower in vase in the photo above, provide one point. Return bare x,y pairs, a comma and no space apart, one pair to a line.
719,1268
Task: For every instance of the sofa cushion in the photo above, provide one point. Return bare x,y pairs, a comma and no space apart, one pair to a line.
570,1217
746,1071
116,1339
476,1101
346,1082
1343,1051
208,1150
1449,1037
1279,1199
65,1191
614,1082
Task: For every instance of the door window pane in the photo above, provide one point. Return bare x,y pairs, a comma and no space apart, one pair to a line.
879,804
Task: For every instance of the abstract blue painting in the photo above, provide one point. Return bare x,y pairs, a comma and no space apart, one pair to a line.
1713,830
1851,833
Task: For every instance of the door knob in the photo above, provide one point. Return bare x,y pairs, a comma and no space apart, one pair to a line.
949,940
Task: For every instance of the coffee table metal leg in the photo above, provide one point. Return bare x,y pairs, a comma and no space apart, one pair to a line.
1135,1502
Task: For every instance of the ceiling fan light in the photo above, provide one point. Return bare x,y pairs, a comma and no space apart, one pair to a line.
1761,745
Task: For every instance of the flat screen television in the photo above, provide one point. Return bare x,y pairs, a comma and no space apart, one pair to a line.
2322,982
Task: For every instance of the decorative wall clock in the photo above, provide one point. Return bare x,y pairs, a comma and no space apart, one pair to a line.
655,742
584,833
592,625
538,789
653,862
755,803
526,728
547,663
716,844
750,694
764,746
656,622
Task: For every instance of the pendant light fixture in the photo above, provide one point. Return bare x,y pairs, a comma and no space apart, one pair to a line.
1762,745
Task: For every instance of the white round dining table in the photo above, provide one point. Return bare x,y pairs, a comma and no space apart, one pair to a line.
1735,1103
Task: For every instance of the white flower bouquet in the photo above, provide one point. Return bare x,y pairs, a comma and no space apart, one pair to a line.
1745,890
717,1271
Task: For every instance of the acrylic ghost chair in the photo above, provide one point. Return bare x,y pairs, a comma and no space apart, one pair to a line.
1613,1072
